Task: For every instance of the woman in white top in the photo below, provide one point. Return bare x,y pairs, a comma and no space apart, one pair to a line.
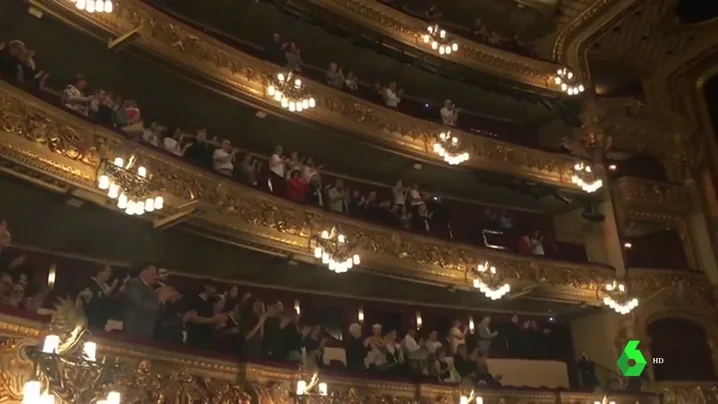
309,171
456,336
433,343
392,97
375,345
536,242
414,199
223,159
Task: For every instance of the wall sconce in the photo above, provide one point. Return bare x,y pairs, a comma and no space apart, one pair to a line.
472,326
51,275
297,306
360,315
419,321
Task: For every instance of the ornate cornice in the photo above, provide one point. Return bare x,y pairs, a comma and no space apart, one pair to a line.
193,50
162,376
408,30
56,149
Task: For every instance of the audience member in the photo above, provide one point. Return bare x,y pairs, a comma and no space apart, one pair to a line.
74,97
200,152
142,303
485,336
335,76
293,57
223,159
449,113
98,296
391,96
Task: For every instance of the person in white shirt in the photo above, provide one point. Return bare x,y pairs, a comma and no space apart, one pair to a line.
485,336
223,159
457,336
74,96
171,143
415,354
276,171
449,113
414,198
399,192
391,96
536,241
433,344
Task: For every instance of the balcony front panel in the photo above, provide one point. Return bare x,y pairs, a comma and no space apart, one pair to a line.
194,51
39,138
158,374
401,27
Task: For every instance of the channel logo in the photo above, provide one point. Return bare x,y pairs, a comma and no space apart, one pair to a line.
631,353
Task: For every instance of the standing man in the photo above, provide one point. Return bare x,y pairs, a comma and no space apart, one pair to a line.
143,303
485,336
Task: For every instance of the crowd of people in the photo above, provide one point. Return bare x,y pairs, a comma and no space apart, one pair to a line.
144,305
291,176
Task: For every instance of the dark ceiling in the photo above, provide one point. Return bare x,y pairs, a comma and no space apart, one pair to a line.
711,93
256,22
696,11
45,220
170,99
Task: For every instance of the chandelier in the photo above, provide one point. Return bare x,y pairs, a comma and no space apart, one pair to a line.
584,177
130,187
62,369
617,298
449,148
290,93
567,81
94,6
488,282
471,398
439,41
332,248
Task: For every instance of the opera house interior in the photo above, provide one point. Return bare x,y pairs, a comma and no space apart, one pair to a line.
358,201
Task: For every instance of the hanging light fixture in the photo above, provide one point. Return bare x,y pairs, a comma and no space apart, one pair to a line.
68,368
439,40
94,6
450,149
290,92
471,398
335,251
616,297
568,82
585,178
128,186
488,282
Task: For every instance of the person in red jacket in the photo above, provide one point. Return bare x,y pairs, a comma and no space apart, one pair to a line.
296,187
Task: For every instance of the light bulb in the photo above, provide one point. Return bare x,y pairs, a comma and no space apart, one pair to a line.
305,104
50,344
292,106
122,201
100,6
141,171
271,91
113,397
426,38
103,182
118,160
280,76
434,45
31,392
285,103
278,96
325,234
149,205
454,47
299,107
442,33
130,210
301,387
297,83
90,7
341,238
108,6
356,259
159,203
89,350
322,389
318,252
312,103
81,4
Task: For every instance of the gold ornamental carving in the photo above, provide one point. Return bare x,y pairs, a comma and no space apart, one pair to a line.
645,198
238,211
197,51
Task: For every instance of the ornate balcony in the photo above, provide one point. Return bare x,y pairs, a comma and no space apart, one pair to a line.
61,151
152,373
396,25
201,54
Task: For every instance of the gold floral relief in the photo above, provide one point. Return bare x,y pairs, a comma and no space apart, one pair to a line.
182,45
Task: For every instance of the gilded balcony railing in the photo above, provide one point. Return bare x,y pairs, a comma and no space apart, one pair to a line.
147,373
61,151
191,49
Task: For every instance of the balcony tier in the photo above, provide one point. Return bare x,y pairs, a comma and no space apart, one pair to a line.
198,53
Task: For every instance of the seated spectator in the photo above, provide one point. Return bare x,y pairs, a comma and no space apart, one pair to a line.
355,349
129,119
223,159
200,152
483,376
385,214
293,163
337,196
441,368
277,48
463,364
16,297
391,96
335,76
369,206
152,133
314,344
74,97
292,56
297,188
97,101
449,113
351,81
249,170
